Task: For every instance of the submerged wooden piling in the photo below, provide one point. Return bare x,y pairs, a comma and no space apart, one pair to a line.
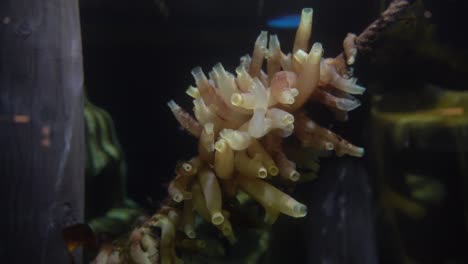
41,129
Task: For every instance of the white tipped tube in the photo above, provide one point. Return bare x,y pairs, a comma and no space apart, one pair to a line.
188,219
350,49
346,85
286,96
226,82
243,79
199,203
203,113
329,75
193,92
206,90
199,76
260,93
281,87
280,118
258,125
185,119
274,56
304,31
167,250
237,140
286,62
299,58
258,54
245,61
212,194
206,143
244,100
309,76
255,149
345,104
267,194
287,168
178,192
224,160
250,167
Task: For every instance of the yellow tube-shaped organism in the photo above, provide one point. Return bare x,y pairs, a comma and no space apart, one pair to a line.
167,242
199,203
287,168
188,219
250,167
267,161
206,143
212,194
189,168
243,100
309,76
304,31
193,92
271,197
185,174
298,60
274,56
244,80
225,81
237,140
178,192
223,160
258,54
185,119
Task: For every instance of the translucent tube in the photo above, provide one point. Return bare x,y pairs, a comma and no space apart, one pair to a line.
193,92
280,118
212,194
185,119
309,76
244,100
250,167
166,248
206,143
226,82
287,168
237,140
256,148
243,79
266,193
188,219
258,54
350,49
304,31
223,160
274,57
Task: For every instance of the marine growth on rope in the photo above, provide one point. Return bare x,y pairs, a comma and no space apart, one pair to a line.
240,120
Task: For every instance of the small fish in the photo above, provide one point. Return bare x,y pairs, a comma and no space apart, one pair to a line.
79,235
285,22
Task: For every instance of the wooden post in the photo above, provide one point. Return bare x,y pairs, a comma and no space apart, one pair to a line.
41,129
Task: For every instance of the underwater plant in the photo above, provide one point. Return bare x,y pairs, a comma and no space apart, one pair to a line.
242,123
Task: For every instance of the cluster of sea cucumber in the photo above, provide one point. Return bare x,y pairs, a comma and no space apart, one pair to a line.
240,121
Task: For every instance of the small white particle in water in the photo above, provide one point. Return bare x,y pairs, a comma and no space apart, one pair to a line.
427,14
324,230
6,20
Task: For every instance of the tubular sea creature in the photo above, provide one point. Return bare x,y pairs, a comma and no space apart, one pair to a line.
240,121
